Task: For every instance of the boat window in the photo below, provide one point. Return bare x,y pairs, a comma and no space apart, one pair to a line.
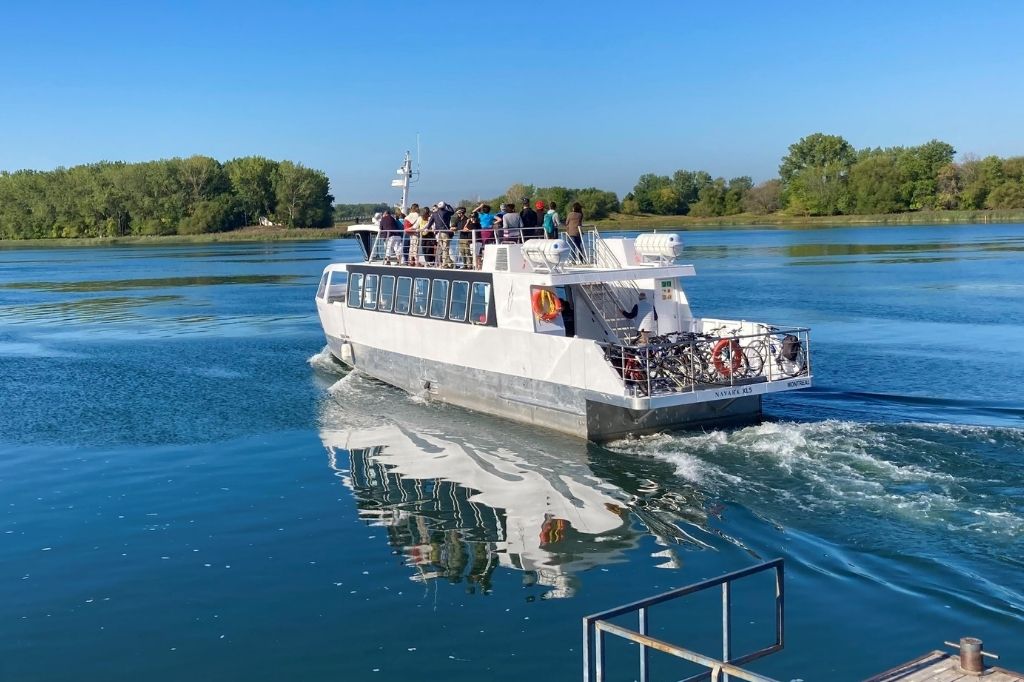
439,299
480,303
355,289
403,295
322,289
387,293
460,297
419,296
370,292
336,286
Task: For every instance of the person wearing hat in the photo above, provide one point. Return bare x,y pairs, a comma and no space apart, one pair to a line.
461,231
440,225
647,316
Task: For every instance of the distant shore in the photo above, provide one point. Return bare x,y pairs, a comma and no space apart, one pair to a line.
743,221
621,221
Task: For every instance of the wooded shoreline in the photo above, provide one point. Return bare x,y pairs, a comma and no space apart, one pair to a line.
613,223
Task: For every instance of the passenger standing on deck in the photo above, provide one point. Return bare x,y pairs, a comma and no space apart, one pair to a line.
573,228
440,224
392,236
459,225
551,222
486,223
411,221
512,224
529,218
647,317
474,229
540,234
426,238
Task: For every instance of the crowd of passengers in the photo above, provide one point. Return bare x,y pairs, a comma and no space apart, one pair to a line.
445,237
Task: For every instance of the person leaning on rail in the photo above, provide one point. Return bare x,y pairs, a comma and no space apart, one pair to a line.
440,225
464,234
647,317
512,225
392,235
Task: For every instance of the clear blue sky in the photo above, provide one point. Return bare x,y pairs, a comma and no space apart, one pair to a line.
568,93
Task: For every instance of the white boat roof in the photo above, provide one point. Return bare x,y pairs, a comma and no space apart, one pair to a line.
363,228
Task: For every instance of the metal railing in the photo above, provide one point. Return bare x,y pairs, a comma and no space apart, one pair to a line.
684,361
596,626
396,246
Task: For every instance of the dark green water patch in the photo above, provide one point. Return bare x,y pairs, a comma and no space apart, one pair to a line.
106,309
880,261
153,283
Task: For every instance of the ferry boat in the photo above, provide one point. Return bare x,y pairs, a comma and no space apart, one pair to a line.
538,331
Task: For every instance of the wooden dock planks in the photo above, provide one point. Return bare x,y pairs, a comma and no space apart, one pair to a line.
938,666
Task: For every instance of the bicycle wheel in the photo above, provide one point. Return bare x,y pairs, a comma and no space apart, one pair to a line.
757,354
688,365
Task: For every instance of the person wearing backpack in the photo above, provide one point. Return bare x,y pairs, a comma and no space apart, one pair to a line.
551,222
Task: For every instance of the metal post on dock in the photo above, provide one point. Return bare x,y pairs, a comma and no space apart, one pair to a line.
972,654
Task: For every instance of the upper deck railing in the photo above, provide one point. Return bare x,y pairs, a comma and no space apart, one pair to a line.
460,249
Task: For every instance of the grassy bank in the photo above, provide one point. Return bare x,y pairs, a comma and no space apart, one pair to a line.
617,221
621,221
245,234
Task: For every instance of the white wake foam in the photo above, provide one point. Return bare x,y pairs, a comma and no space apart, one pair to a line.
903,471
325,362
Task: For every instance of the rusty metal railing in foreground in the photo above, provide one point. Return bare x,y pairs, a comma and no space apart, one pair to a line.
596,626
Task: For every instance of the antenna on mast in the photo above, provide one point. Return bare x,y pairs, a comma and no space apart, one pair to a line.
406,175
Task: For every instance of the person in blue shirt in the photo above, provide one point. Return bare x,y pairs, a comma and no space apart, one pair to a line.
486,223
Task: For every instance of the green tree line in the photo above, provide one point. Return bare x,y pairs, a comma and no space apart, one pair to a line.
170,196
596,203
345,212
824,175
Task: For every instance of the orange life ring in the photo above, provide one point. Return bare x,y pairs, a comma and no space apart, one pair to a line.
735,357
546,305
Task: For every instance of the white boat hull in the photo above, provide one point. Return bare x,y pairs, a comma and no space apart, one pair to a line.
574,411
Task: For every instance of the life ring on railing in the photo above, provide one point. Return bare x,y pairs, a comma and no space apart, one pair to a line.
735,358
546,305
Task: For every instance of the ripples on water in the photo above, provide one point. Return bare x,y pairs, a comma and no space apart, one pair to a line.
188,488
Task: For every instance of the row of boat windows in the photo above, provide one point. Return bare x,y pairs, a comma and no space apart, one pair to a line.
440,298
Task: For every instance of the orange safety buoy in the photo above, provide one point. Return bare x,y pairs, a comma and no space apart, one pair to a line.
546,305
727,369
551,531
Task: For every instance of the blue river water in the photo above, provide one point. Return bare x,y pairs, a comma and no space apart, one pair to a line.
190,488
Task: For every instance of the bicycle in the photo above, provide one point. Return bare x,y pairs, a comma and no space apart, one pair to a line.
778,351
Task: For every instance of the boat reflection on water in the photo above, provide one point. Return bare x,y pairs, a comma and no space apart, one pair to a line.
462,494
